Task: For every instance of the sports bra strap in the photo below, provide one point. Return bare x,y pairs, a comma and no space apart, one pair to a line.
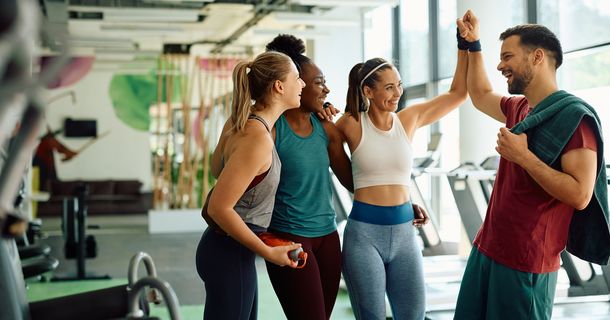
255,117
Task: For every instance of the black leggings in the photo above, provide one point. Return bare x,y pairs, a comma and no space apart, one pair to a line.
309,293
229,274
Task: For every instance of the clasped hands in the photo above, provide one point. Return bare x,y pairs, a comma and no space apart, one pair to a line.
468,26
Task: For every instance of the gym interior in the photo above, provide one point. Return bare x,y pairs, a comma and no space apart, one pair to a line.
136,94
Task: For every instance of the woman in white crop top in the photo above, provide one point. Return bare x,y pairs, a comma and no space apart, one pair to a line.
380,252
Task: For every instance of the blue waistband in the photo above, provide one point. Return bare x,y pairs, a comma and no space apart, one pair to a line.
382,215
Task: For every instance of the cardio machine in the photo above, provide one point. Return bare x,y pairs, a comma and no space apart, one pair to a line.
20,93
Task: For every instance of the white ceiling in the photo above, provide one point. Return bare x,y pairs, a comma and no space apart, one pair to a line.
124,30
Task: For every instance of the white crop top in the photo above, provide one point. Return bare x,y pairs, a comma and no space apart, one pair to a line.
382,157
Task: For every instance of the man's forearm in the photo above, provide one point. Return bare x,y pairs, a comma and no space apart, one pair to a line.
559,185
477,80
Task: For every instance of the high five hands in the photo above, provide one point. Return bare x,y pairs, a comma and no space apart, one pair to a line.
468,26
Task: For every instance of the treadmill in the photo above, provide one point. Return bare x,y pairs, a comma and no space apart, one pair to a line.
441,263
469,184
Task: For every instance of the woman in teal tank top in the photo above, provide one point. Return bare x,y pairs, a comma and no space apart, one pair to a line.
304,211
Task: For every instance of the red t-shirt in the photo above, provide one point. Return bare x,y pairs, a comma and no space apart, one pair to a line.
526,228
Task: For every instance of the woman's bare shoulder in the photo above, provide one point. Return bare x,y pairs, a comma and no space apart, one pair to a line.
347,120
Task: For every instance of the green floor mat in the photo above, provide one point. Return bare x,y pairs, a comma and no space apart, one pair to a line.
47,290
269,306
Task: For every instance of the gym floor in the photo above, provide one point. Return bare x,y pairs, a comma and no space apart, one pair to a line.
120,237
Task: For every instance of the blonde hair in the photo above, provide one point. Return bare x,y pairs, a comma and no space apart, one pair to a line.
253,82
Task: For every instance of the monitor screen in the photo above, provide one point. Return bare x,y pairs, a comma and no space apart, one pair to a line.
80,128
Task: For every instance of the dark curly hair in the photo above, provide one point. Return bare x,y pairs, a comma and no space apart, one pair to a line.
292,47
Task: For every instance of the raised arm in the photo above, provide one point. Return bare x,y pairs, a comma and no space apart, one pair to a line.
339,161
479,88
61,148
421,114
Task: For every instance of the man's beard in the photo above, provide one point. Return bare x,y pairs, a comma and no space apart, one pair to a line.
520,82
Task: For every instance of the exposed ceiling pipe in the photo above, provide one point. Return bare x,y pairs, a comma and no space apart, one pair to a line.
260,11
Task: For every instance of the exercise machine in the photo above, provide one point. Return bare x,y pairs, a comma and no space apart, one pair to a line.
20,92
78,245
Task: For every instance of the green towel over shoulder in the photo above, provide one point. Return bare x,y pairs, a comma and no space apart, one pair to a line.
549,128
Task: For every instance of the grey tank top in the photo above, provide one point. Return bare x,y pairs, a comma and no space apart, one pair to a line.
256,205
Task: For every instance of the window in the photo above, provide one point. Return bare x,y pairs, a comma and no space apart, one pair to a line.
447,43
378,33
580,24
449,222
414,44
580,75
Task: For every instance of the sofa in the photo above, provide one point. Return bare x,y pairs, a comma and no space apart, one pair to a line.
105,197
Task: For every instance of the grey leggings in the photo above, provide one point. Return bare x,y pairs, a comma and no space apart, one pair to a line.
379,259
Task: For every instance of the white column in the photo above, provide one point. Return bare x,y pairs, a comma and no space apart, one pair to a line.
336,53
477,130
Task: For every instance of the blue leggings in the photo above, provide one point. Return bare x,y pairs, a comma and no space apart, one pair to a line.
229,273
381,256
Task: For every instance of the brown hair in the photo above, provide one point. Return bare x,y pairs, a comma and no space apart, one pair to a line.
356,102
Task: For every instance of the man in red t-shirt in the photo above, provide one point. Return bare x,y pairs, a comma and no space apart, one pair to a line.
512,269
44,158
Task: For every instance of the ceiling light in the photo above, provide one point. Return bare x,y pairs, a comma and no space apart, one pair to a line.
312,19
151,15
306,34
177,1
142,28
136,53
142,14
102,43
350,3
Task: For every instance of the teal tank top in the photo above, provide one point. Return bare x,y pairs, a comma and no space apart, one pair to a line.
303,202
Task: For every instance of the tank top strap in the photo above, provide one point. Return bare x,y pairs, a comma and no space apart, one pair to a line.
318,127
255,117
364,120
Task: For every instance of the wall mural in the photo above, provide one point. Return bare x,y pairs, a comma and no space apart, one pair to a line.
184,104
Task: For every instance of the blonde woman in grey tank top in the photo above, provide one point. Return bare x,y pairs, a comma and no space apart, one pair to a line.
245,155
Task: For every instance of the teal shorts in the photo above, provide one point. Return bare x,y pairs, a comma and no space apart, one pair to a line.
490,290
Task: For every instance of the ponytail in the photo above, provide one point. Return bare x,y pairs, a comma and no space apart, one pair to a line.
355,101
242,99
361,75
253,81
